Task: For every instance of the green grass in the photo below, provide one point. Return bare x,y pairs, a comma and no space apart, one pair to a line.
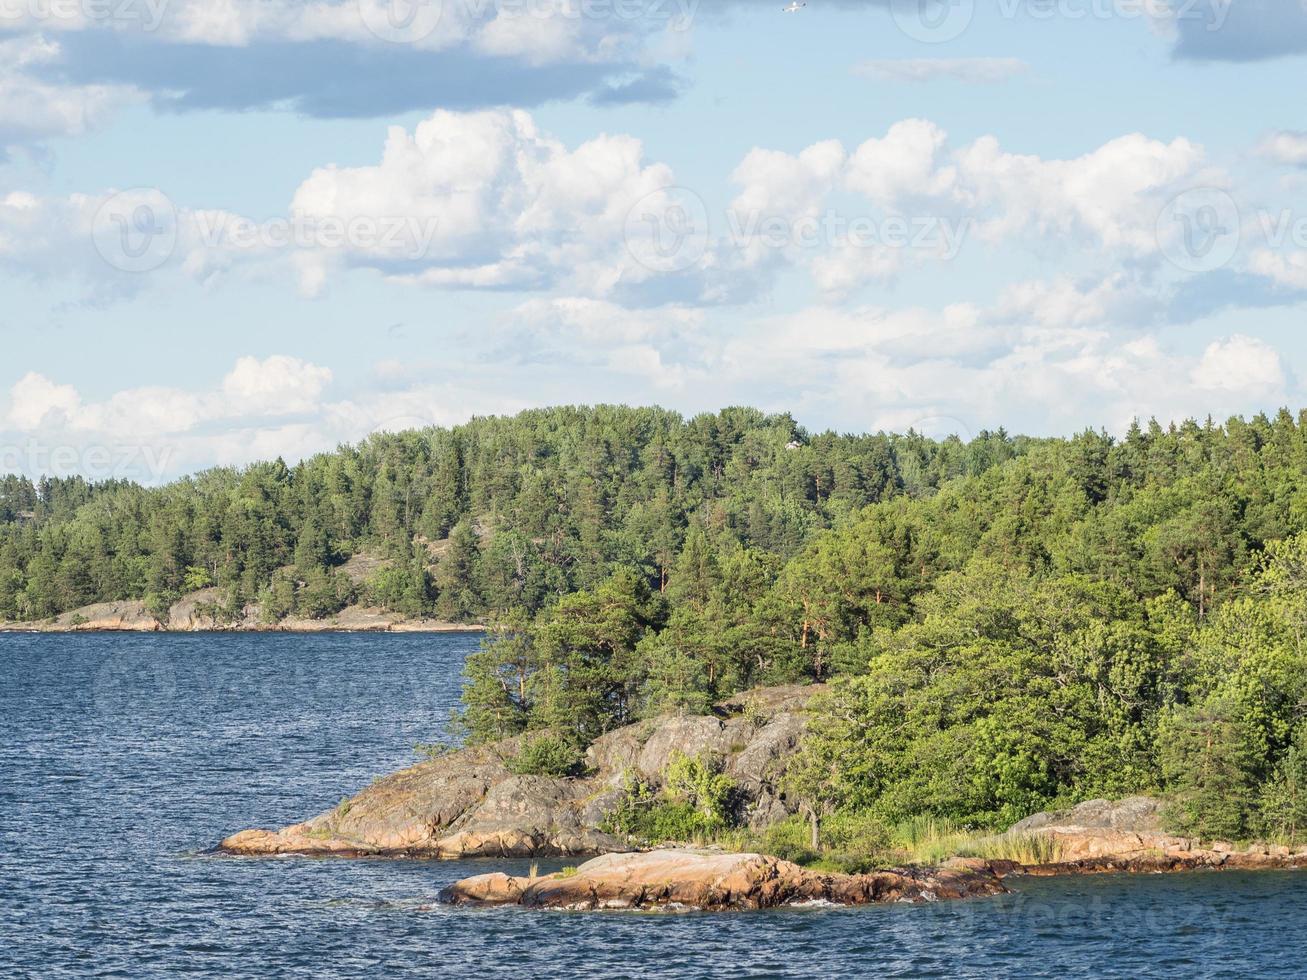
854,843
1021,848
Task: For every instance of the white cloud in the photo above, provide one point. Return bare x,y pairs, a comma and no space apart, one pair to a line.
34,398
973,71
910,197
1240,364
276,385
1119,299
33,111
1288,269
500,203
277,406
1285,146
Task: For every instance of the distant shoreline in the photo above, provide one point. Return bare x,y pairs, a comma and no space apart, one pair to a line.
197,614
327,628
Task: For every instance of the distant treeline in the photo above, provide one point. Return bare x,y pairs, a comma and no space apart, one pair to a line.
498,516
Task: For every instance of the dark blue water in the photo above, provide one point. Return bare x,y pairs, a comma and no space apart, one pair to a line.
125,757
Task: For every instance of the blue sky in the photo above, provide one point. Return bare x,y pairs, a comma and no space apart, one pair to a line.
1041,214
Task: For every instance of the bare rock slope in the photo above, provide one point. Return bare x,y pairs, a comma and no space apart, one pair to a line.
468,803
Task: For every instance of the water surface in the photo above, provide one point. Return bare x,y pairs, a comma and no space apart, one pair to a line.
126,756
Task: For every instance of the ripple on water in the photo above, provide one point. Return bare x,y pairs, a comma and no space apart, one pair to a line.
127,757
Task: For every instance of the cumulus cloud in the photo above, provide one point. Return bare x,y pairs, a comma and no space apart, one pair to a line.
1285,146
502,206
876,369
1239,364
33,111
262,408
918,198
973,71
355,58
488,201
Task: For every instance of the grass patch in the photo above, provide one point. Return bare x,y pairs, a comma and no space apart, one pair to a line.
1021,848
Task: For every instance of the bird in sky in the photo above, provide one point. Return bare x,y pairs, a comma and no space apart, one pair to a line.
793,8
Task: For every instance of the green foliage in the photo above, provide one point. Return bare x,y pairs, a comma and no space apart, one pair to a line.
196,578
698,782
696,802
1206,759
1284,795
547,755
498,516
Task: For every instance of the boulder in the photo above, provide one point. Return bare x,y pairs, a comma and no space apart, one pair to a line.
1139,814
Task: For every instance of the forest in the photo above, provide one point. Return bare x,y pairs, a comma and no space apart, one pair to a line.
1003,624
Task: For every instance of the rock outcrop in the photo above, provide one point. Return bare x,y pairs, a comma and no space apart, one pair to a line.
127,615
468,803
1127,835
712,880
202,611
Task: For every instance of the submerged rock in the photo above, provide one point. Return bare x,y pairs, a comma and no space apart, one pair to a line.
711,880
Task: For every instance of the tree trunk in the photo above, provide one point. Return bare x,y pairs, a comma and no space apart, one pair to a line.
814,821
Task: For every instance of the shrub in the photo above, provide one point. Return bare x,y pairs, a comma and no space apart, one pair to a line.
696,803
546,755
698,782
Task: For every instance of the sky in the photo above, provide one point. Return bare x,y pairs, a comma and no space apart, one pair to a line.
237,229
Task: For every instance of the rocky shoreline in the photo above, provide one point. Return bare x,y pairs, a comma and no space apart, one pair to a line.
468,803
682,878
196,613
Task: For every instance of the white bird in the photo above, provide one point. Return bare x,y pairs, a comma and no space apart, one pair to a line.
793,8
